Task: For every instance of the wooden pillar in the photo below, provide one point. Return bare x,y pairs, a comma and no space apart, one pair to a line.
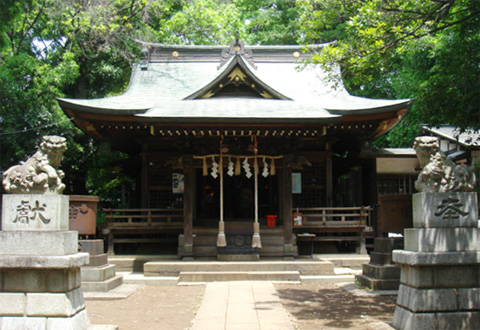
329,174
144,178
188,206
287,211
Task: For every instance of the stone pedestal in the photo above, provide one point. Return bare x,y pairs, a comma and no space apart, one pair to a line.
381,273
98,275
40,285
440,265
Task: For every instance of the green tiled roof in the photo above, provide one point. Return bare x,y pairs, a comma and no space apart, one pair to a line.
159,93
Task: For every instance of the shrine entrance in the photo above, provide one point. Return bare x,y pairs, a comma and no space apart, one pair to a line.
238,199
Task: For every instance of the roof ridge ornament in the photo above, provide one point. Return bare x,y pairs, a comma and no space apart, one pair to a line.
237,47
145,57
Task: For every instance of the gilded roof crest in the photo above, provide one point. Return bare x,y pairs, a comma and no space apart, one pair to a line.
237,47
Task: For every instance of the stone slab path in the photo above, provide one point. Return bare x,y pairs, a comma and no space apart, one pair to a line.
252,305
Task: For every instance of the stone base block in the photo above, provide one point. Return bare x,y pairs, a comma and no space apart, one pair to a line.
43,243
43,262
35,212
39,280
91,274
55,304
98,260
442,239
92,246
452,209
79,321
377,284
387,245
446,276
379,258
289,251
42,304
436,258
387,272
103,286
439,300
405,319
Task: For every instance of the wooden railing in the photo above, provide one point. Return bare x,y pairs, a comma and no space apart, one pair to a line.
335,216
118,218
138,225
334,224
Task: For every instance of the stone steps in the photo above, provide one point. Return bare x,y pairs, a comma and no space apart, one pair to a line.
140,279
218,276
377,284
134,263
353,261
327,279
102,286
98,273
174,268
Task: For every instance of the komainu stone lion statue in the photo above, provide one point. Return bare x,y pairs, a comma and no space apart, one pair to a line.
40,173
440,174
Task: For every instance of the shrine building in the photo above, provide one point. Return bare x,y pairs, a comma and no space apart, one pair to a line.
241,150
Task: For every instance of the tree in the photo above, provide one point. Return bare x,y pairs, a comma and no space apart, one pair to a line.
270,22
425,50
54,49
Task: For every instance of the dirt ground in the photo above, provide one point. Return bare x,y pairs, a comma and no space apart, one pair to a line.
150,308
312,306
326,306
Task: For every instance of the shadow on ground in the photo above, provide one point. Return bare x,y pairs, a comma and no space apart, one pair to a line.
322,306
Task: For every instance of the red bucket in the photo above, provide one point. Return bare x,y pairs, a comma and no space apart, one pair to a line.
271,220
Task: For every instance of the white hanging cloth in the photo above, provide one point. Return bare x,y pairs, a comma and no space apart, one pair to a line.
231,167
246,167
265,172
214,172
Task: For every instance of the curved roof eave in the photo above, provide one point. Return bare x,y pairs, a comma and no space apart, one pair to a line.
393,106
78,105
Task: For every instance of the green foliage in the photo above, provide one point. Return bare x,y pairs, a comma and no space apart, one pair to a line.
425,50
270,22
203,22
106,180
